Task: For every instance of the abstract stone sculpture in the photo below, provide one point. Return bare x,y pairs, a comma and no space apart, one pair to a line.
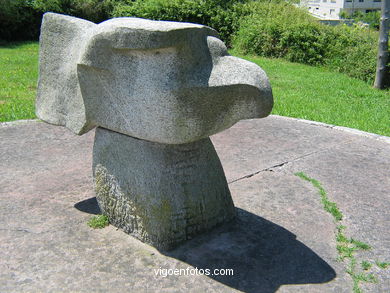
156,91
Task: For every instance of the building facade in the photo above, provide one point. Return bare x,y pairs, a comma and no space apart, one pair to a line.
330,9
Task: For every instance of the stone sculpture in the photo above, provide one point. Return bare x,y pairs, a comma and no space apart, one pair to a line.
156,91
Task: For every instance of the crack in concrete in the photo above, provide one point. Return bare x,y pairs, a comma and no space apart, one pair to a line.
17,230
279,165
24,230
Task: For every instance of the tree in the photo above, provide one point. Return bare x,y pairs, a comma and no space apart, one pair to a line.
382,70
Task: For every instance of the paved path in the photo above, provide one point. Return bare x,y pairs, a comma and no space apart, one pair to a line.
282,241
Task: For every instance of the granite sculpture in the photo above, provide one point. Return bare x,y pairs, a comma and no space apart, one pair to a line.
155,91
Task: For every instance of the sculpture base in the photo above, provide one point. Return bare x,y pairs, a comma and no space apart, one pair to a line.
161,194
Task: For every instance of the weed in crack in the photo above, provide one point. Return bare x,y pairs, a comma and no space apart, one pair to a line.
345,246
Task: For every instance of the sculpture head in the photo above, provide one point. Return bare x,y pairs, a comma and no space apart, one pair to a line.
166,82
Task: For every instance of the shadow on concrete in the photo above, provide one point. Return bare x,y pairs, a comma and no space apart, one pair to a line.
89,206
262,254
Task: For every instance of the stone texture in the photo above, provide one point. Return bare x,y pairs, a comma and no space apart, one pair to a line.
156,90
161,194
59,100
161,81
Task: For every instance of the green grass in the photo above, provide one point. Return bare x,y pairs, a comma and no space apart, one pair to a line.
300,91
318,94
382,265
346,247
98,222
18,80
366,265
360,245
329,206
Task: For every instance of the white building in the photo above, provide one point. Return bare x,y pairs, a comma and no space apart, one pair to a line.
330,9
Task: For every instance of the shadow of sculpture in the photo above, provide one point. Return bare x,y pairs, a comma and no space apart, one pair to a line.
262,254
89,206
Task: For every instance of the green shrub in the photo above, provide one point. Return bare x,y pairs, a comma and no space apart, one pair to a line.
353,51
222,15
93,10
372,18
19,20
305,43
281,30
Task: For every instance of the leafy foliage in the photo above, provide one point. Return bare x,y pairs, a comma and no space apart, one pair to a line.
98,222
279,30
372,17
353,50
222,15
93,10
21,19
274,28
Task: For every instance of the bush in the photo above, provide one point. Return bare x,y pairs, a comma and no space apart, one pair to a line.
222,15
21,19
305,43
353,50
372,18
93,10
283,31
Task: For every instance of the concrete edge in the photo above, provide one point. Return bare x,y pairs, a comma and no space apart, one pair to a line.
18,122
382,138
375,136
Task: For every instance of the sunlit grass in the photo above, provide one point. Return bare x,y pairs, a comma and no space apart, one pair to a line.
318,94
18,79
300,91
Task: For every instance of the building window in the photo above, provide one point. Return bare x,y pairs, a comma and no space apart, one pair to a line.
332,11
324,1
349,0
333,1
377,1
361,0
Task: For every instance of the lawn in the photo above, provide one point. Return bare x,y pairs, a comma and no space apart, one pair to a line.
18,80
318,94
300,91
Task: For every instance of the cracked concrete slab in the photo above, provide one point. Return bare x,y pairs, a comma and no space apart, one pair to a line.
254,145
282,241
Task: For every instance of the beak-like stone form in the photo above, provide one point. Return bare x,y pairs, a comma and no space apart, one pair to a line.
160,81
156,91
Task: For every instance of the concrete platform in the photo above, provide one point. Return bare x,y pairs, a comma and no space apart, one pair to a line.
283,239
